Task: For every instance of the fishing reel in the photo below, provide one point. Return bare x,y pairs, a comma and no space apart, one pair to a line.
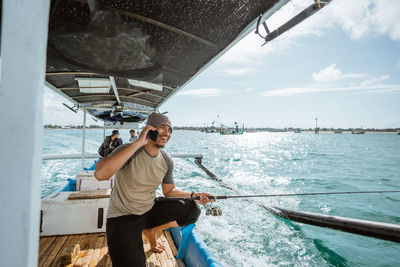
213,211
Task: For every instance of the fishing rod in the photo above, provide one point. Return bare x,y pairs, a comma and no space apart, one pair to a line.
280,195
384,231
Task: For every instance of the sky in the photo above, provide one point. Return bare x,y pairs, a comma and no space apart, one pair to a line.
341,65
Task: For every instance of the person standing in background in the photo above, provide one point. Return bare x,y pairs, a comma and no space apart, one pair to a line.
133,137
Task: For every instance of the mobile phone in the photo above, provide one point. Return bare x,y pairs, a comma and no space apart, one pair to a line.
152,135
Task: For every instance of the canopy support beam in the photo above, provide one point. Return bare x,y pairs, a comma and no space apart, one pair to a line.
59,92
114,86
309,11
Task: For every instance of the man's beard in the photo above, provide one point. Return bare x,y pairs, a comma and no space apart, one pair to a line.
158,146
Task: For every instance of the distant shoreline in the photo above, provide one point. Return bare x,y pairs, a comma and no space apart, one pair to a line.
249,130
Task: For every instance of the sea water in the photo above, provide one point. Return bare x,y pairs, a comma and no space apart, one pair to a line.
268,163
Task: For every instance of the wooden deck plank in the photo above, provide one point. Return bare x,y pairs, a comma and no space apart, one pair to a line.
162,257
171,243
45,251
174,250
72,240
94,251
83,241
83,257
95,258
108,264
46,243
88,246
93,194
102,262
43,240
94,239
66,243
151,258
146,247
168,250
59,242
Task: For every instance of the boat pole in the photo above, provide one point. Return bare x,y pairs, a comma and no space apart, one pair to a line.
83,138
23,69
385,231
198,162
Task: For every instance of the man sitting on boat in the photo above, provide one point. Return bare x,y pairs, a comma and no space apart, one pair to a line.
110,143
139,168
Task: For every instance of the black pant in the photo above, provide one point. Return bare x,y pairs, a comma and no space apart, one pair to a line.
124,234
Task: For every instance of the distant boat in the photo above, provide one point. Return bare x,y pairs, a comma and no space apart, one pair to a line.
398,132
210,130
236,130
298,130
227,132
316,130
337,131
358,131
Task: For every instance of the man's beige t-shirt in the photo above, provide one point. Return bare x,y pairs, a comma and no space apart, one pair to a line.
136,182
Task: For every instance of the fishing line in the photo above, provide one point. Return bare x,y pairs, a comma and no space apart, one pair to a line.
280,195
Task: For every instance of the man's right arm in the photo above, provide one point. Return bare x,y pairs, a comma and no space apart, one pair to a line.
107,167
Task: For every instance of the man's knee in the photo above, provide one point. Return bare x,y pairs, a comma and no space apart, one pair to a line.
192,213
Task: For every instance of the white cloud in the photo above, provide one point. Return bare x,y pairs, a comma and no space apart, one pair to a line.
307,90
203,92
249,89
358,18
247,51
329,74
51,104
235,72
54,111
382,91
332,73
374,80
250,50
386,18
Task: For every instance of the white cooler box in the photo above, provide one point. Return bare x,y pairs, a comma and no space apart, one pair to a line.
60,216
85,181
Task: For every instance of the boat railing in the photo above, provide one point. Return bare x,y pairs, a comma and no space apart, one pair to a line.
96,156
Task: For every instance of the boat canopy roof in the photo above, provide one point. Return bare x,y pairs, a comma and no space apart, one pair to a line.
135,54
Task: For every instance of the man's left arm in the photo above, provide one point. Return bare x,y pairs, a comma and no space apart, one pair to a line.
169,190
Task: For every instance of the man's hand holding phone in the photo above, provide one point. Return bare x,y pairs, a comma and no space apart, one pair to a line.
153,135
144,134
